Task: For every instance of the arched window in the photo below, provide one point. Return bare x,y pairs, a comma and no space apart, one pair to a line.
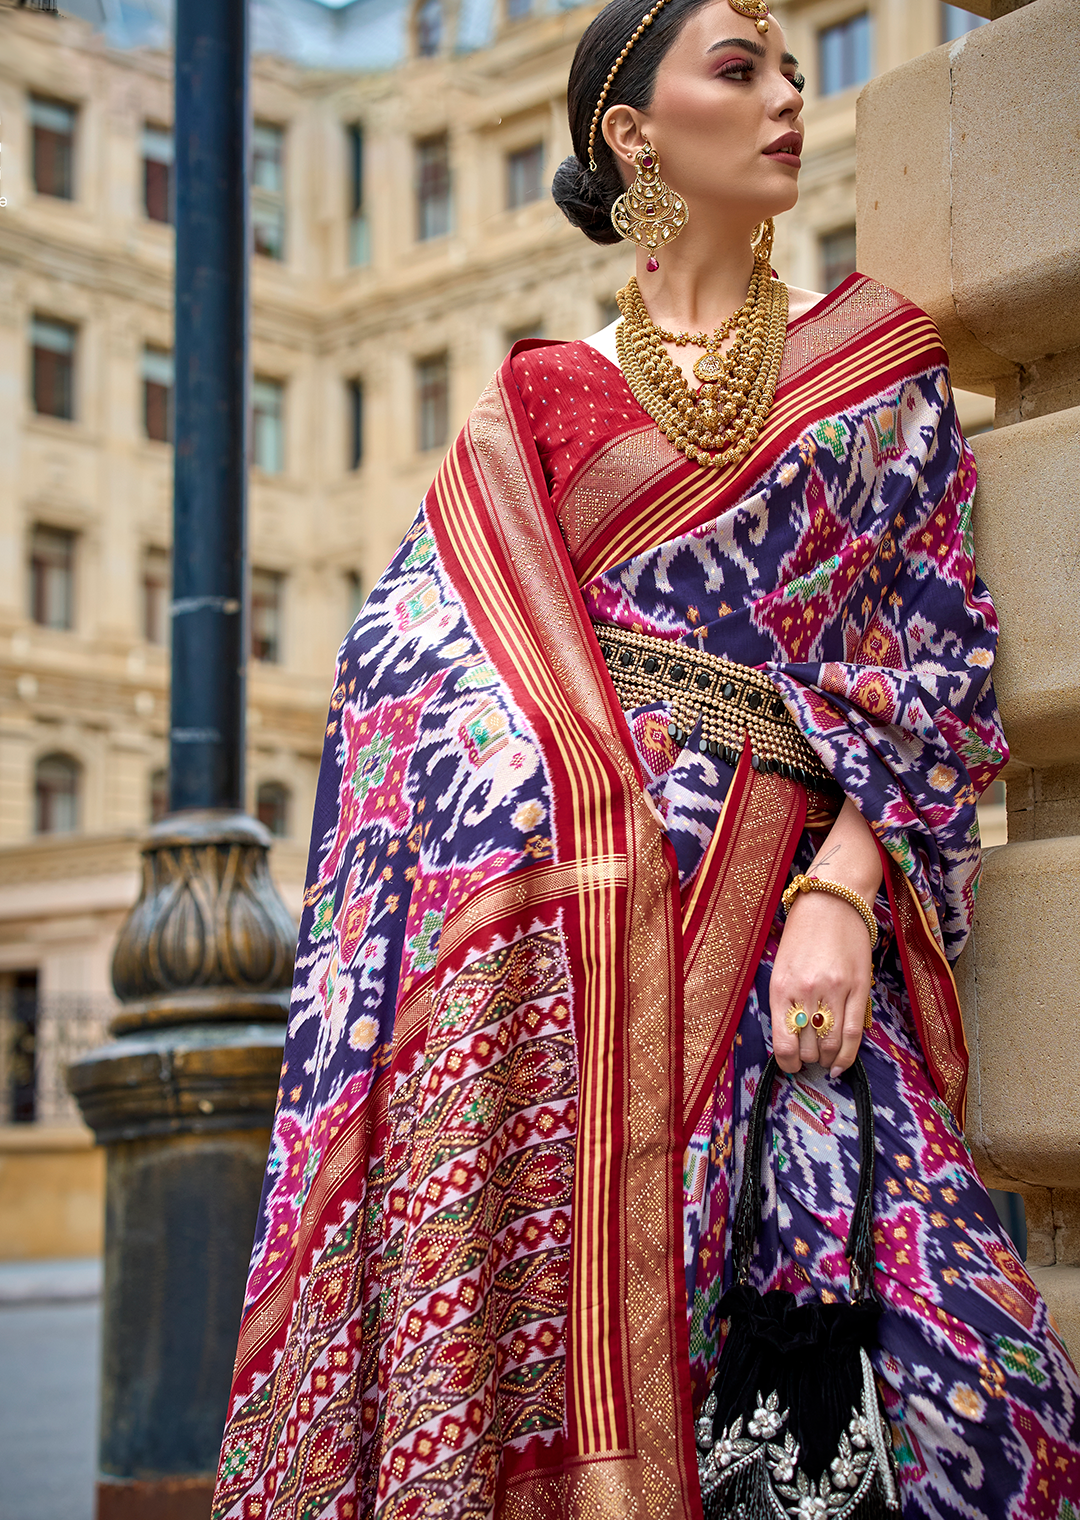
159,795
429,24
56,794
272,807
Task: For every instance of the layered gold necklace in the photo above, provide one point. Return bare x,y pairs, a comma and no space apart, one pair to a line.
719,424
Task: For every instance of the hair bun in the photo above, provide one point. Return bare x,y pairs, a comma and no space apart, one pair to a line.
584,200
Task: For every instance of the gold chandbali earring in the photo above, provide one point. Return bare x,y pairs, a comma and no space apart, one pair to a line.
649,213
718,424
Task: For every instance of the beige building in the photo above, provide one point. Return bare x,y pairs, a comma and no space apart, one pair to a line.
404,237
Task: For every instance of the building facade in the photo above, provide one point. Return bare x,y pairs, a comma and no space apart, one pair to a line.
403,239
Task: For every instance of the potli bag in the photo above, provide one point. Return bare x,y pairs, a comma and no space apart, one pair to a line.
793,1428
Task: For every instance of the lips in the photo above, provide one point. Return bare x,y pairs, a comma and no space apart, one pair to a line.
790,146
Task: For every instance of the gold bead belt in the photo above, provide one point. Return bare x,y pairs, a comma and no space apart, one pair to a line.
729,700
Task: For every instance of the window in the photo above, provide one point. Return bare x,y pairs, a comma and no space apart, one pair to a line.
159,795
432,187
432,402
354,594
359,239
268,190
272,807
53,367
354,391
517,10
267,587
157,154
18,1046
837,250
955,22
268,425
56,795
429,20
157,376
157,588
52,125
524,176
844,54
52,577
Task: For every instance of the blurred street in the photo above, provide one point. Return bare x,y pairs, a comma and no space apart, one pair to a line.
50,1321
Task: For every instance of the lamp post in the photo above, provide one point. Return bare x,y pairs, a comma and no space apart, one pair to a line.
182,1099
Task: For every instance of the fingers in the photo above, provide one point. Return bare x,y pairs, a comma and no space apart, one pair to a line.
786,1045
854,1011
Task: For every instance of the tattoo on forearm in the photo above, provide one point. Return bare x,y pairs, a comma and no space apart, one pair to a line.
824,860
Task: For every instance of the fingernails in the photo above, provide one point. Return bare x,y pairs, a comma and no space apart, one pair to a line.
837,1071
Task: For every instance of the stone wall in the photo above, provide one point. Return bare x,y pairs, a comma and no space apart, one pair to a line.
969,202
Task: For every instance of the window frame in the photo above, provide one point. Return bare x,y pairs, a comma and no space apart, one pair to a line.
282,800
53,368
262,579
434,187
40,581
156,595
536,151
157,394
38,135
42,795
354,391
149,129
268,201
847,231
262,384
843,31
432,403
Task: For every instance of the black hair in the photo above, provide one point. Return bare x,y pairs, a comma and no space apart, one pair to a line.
583,196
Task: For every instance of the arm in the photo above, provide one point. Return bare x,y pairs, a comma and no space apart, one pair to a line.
825,951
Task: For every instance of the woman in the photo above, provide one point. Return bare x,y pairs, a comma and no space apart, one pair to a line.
648,651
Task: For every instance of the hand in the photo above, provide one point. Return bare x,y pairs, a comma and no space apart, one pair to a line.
824,953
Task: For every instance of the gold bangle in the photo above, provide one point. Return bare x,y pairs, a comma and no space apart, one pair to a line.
816,884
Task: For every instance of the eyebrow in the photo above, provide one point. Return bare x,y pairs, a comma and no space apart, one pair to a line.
751,47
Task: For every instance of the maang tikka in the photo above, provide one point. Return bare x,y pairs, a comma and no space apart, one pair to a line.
649,212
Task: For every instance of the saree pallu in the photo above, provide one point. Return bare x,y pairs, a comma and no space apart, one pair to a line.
514,1002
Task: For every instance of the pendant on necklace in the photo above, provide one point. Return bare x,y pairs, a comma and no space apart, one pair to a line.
709,368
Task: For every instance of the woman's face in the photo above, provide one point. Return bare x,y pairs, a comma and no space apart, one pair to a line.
725,116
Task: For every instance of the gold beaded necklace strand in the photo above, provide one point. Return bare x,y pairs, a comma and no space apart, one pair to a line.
719,424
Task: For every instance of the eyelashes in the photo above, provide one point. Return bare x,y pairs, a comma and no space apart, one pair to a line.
741,70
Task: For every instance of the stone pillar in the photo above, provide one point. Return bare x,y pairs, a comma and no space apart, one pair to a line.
969,202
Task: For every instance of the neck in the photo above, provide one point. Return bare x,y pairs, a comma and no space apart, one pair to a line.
703,276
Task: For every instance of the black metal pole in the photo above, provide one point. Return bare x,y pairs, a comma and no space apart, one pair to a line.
182,1099
209,643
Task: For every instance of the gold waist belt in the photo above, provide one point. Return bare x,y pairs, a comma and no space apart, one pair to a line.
728,700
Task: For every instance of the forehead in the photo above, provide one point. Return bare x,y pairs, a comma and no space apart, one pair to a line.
717,24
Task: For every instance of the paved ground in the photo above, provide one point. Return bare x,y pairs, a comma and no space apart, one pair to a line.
50,1325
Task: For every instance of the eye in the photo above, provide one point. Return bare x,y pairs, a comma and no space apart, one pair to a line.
735,68
799,81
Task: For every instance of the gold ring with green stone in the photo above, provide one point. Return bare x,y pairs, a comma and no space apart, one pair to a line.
797,1019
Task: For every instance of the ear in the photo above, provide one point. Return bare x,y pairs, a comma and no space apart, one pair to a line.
624,132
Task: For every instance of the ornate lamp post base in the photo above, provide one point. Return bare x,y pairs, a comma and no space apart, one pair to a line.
183,1100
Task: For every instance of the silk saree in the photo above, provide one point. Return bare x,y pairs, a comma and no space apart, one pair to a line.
531,996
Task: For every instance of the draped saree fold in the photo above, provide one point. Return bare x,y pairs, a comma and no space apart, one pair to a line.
513,999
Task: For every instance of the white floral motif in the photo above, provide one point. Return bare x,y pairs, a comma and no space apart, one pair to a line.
767,1419
854,1468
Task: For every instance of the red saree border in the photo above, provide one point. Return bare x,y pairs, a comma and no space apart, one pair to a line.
727,917
629,1431
886,350
931,986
